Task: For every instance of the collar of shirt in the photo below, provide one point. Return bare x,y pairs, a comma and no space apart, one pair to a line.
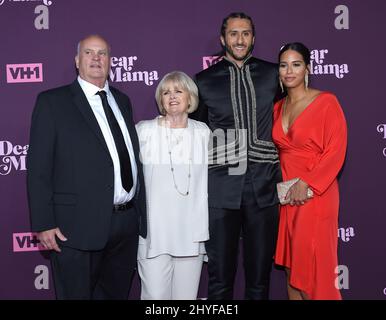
245,61
90,89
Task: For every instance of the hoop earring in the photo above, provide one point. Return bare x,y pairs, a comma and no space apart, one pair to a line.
306,81
281,86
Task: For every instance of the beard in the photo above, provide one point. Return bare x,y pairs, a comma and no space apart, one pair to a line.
229,50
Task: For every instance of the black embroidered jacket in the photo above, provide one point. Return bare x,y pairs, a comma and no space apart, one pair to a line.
237,103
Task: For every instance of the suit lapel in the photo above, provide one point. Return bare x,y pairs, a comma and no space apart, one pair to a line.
84,107
125,111
124,108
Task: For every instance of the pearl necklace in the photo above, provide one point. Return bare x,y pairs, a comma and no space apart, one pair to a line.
172,169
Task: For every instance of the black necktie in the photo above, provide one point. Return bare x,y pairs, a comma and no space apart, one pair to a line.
123,154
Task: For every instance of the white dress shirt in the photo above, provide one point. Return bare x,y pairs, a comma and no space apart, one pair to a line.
90,90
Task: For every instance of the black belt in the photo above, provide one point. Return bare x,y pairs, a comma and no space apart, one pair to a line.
123,206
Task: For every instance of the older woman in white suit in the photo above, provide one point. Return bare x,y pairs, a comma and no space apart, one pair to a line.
174,152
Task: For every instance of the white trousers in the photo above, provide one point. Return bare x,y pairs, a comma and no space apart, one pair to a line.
170,278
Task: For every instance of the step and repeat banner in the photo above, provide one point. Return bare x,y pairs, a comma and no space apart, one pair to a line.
150,38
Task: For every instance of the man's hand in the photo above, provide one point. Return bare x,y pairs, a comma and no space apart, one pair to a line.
48,240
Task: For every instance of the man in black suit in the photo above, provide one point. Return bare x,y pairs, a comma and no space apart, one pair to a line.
236,101
85,181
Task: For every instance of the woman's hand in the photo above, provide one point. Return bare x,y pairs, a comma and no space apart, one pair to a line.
297,194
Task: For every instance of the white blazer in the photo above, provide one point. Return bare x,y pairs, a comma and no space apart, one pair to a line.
149,140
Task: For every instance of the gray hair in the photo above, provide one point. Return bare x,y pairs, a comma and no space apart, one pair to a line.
183,81
92,36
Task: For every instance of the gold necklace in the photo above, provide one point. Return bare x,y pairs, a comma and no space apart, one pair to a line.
172,169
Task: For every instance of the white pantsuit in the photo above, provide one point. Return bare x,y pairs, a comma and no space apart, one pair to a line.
170,278
170,258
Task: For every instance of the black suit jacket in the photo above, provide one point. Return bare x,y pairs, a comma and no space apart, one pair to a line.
240,98
70,175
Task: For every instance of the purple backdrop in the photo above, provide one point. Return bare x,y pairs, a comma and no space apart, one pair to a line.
150,38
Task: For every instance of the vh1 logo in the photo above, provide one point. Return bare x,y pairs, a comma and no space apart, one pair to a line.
27,241
26,72
210,60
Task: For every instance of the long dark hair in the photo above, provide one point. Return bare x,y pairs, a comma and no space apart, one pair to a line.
299,48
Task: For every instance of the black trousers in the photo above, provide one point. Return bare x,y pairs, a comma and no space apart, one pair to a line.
105,274
258,228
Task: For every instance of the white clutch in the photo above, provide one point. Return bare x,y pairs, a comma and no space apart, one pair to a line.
283,187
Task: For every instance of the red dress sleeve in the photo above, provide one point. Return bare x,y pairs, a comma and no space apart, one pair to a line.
334,144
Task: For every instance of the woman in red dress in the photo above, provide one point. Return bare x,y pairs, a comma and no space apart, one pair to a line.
311,134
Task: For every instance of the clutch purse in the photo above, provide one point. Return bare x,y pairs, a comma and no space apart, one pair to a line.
283,187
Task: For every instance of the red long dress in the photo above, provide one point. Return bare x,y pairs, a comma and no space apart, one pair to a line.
314,150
